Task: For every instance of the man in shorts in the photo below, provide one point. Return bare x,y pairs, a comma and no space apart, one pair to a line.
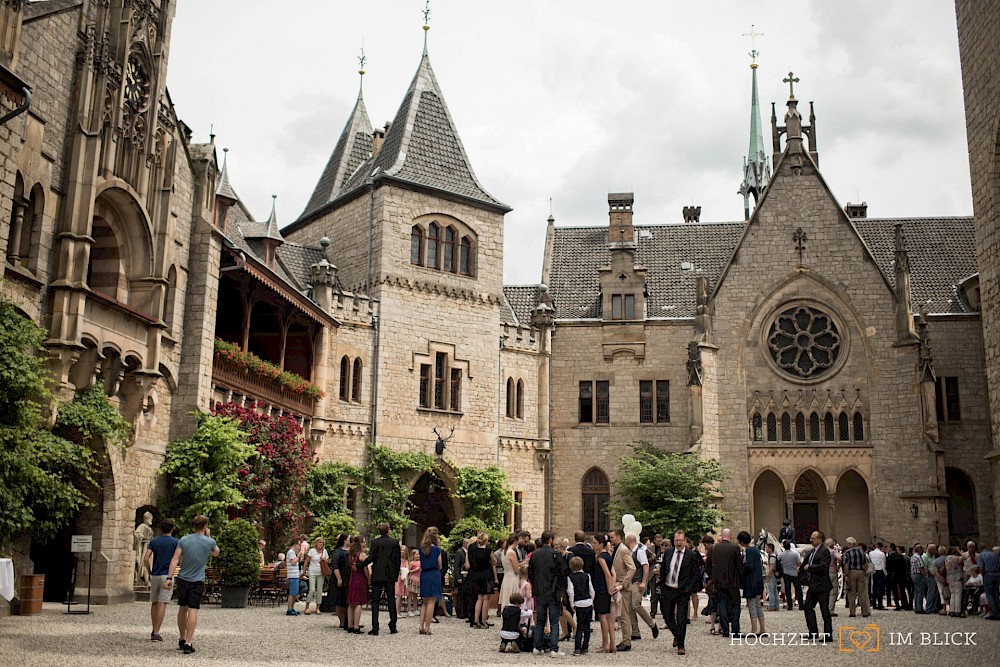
159,551
192,553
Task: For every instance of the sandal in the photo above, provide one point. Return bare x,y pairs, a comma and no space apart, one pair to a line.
713,631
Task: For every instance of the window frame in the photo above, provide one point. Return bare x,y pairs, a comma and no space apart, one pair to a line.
356,379
646,402
662,399
417,243
585,402
602,402
345,378
595,494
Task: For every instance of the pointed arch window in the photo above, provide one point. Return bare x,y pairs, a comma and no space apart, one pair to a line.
510,397
828,434
356,381
814,434
433,239
786,427
859,427
345,378
448,250
520,399
465,256
596,492
772,428
417,245
844,425
757,428
800,427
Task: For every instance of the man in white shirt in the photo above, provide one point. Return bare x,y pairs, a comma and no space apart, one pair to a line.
790,561
877,557
293,573
639,581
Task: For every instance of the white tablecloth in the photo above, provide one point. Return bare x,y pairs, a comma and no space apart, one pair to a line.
6,579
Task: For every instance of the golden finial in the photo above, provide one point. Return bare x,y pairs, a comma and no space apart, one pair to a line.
362,59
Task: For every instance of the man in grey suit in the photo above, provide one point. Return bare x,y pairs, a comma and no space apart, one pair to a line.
817,568
385,560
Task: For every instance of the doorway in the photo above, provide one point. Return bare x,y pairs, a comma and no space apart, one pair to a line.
806,520
431,505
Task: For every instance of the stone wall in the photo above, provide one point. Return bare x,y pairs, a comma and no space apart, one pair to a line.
979,47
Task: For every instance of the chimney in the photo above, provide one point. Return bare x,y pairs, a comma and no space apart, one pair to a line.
620,213
856,210
692,213
378,137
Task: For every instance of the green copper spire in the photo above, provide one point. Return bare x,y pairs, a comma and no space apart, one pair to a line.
756,170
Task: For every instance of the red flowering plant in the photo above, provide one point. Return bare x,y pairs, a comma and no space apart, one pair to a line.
266,370
274,480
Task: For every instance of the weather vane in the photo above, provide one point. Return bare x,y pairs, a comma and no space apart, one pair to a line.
753,35
362,59
427,21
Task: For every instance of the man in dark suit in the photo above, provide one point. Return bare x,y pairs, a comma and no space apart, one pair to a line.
817,569
725,570
462,599
679,578
384,559
585,551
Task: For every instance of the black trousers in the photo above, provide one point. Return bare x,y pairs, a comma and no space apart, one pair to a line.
789,583
675,604
813,597
389,588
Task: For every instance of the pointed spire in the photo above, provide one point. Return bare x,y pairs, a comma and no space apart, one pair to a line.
272,222
224,188
756,168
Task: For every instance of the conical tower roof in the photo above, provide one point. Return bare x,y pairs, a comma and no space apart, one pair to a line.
353,148
224,188
422,146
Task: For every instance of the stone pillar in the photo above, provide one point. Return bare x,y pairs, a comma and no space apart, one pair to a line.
14,240
324,276
831,501
790,507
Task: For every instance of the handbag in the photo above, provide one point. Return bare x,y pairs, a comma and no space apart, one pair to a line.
324,567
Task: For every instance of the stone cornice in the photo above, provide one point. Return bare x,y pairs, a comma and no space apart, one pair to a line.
429,287
838,451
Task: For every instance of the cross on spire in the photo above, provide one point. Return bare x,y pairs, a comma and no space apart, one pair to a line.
753,35
791,80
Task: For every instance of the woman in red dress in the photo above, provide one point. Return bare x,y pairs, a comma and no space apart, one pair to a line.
357,586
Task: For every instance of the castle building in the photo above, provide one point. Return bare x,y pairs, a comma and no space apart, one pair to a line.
792,346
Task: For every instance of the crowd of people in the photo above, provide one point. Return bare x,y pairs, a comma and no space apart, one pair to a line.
547,591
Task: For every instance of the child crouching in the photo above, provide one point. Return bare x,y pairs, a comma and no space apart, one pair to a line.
510,629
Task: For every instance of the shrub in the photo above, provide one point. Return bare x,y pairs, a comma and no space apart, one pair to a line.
238,561
330,526
467,527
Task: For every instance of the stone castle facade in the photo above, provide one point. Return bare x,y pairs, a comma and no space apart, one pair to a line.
788,346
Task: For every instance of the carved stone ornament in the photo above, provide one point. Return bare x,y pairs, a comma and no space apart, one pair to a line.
804,342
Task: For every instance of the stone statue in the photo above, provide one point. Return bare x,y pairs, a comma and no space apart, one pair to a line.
140,540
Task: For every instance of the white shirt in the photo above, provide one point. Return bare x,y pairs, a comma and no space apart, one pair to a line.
675,568
878,559
640,556
315,567
292,561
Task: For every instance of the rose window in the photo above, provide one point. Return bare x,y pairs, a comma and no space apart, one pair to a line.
804,342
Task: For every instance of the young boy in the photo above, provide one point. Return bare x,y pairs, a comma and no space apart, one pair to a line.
292,572
510,630
580,591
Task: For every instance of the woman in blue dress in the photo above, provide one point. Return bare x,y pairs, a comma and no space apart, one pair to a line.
430,579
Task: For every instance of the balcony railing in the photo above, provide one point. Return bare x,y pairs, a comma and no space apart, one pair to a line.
238,379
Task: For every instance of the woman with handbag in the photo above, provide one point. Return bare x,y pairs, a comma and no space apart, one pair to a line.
317,564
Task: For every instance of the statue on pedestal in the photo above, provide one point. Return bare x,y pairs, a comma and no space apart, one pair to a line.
140,540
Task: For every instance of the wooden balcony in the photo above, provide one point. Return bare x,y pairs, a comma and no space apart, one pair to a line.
241,381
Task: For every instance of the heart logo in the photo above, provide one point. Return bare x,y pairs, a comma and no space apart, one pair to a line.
860,639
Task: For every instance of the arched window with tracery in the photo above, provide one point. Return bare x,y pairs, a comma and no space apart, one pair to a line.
786,427
448,250
844,424
814,434
520,399
772,428
356,381
859,427
345,378
510,397
433,238
828,434
417,245
596,499
800,427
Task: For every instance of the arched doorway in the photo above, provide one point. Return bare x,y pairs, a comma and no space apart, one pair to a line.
768,503
809,510
853,509
962,523
431,505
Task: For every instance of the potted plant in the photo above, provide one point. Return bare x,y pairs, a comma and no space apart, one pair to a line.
238,562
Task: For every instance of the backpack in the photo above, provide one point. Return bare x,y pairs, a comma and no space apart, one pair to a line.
778,571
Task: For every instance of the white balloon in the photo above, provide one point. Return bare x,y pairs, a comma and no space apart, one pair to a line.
636,528
627,520
628,528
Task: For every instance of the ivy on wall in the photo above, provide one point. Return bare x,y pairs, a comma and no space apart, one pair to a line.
385,489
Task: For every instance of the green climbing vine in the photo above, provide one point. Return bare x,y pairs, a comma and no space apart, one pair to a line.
385,489
485,494
89,416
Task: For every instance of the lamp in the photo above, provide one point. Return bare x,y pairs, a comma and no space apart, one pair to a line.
914,510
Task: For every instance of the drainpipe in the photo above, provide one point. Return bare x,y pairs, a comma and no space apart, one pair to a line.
548,472
21,109
377,333
500,385
371,224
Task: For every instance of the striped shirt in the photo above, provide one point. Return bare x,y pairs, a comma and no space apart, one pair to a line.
854,558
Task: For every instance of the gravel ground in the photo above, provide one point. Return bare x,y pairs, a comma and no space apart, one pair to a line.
119,635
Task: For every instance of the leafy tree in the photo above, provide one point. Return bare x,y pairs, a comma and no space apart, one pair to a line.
42,476
327,485
203,471
238,560
468,526
669,491
485,494
90,416
273,481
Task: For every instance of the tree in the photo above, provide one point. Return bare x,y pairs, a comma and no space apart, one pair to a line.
42,476
485,494
203,471
669,491
273,481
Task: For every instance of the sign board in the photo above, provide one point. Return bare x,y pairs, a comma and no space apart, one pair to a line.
81,544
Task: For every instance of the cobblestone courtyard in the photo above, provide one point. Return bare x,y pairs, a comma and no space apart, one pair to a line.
118,635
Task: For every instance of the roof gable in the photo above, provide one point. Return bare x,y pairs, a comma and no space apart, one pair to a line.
353,148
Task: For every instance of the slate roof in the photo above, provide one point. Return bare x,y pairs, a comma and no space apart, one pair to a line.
422,146
353,148
941,250
521,300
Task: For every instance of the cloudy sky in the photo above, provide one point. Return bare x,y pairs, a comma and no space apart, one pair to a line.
571,99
